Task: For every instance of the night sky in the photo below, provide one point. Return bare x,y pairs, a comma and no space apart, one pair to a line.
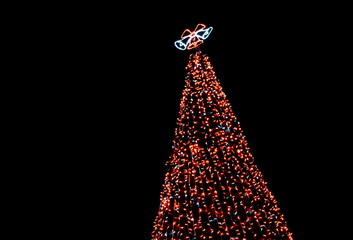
124,93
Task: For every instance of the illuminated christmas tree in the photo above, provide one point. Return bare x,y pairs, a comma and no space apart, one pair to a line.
212,188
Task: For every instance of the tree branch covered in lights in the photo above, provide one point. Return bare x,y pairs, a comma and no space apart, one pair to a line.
212,187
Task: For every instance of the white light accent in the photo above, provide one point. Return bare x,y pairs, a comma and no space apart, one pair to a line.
193,39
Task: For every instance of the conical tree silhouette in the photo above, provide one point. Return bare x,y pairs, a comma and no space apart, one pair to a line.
212,187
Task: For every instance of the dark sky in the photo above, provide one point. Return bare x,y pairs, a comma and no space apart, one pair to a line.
124,92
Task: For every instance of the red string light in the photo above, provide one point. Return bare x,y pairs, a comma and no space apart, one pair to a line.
212,188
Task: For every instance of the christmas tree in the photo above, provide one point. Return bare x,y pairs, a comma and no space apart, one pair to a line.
212,187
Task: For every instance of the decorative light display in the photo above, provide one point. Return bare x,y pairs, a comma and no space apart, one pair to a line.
212,187
192,39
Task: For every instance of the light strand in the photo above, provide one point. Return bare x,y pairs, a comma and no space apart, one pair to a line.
213,188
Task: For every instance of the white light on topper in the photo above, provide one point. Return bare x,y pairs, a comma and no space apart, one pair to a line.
192,39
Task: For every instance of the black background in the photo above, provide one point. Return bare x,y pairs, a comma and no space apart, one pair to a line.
118,80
